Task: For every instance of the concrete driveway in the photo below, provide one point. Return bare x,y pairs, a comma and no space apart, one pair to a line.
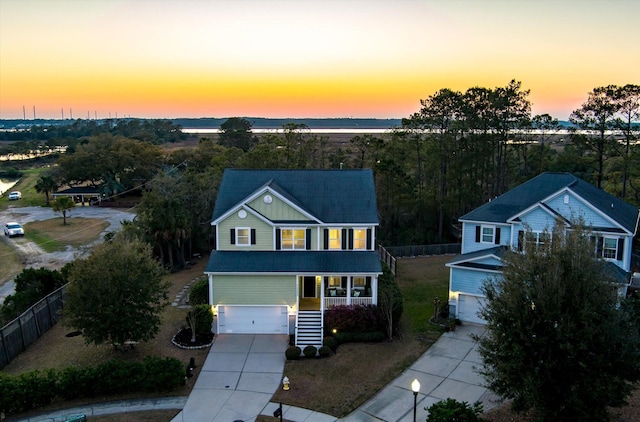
238,378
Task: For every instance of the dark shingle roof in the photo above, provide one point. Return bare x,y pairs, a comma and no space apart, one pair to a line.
542,186
294,262
333,196
79,190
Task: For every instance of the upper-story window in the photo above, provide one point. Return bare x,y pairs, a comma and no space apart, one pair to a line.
293,239
488,234
610,248
359,239
243,236
335,238
537,239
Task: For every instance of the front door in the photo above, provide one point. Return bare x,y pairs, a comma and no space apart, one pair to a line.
309,287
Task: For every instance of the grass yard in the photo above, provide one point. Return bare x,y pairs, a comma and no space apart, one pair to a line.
11,263
52,236
26,186
328,386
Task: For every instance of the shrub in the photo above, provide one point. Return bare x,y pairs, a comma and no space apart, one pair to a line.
203,318
293,353
30,390
354,319
390,301
324,351
330,342
199,292
310,351
453,410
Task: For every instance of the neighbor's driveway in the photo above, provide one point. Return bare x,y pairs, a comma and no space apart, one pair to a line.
35,257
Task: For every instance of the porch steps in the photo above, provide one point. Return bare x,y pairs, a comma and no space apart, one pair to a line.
309,329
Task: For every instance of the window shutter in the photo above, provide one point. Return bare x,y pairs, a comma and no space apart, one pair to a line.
369,239
326,239
620,255
350,239
308,239
497,242
477,234
233,236
599,247
344,239
278,247
253,236
343,282
521,240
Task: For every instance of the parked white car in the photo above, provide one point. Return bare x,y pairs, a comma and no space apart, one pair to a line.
15,195
13,229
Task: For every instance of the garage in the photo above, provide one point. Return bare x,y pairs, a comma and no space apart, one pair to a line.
253,319
468,307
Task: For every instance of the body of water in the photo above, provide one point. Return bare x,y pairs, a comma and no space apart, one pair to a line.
5,185
280,130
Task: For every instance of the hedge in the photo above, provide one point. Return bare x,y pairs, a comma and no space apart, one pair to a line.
35,389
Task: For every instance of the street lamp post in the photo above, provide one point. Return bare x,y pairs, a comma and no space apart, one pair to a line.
415,387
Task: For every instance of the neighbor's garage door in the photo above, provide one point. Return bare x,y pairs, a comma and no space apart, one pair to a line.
253,319
468,307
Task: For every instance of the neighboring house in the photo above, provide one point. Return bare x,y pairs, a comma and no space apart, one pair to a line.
291,244
523,216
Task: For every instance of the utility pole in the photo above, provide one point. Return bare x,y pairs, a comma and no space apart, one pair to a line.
34,112
62,112
24,114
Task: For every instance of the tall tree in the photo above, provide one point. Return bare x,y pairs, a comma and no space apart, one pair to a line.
236,132
627,100
558,342
595,117
543,123
117,293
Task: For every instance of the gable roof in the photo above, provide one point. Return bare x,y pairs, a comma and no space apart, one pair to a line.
541,187
332,196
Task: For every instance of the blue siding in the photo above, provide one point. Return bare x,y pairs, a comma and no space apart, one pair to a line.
538,220
576,209
469,243
468,281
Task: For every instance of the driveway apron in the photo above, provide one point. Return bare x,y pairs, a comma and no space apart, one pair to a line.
238,378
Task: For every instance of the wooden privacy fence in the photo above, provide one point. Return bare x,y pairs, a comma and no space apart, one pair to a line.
422,250
20,333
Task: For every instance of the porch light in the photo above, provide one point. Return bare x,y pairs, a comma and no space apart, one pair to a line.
285,384
334,331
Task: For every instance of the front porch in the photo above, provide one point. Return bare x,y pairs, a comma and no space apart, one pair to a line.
320,293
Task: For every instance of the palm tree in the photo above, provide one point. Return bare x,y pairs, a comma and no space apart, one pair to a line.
46,185
63,204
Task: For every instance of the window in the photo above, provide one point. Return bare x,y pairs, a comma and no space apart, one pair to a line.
610,248
293,239
487,234
335,239
335,281
243,236
359,239
537,239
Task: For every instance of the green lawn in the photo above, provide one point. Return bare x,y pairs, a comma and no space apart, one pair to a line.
26,185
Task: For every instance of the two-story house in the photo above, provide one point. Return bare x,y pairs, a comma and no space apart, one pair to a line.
291,244
525,215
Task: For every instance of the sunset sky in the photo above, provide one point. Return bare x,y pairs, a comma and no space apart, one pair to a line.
305,58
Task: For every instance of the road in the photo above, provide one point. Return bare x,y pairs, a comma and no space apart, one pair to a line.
34,256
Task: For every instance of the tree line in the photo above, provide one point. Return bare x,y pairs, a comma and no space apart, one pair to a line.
459,150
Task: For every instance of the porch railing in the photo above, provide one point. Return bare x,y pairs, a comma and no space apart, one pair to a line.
330,302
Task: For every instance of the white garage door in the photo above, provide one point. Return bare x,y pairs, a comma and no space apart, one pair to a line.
468,307
253,319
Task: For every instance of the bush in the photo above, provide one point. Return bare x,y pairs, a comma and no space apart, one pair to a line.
19,394
199,293
324,351
203,318
330,342
373,336
310,351
293,353
453,410
354,319
390,299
